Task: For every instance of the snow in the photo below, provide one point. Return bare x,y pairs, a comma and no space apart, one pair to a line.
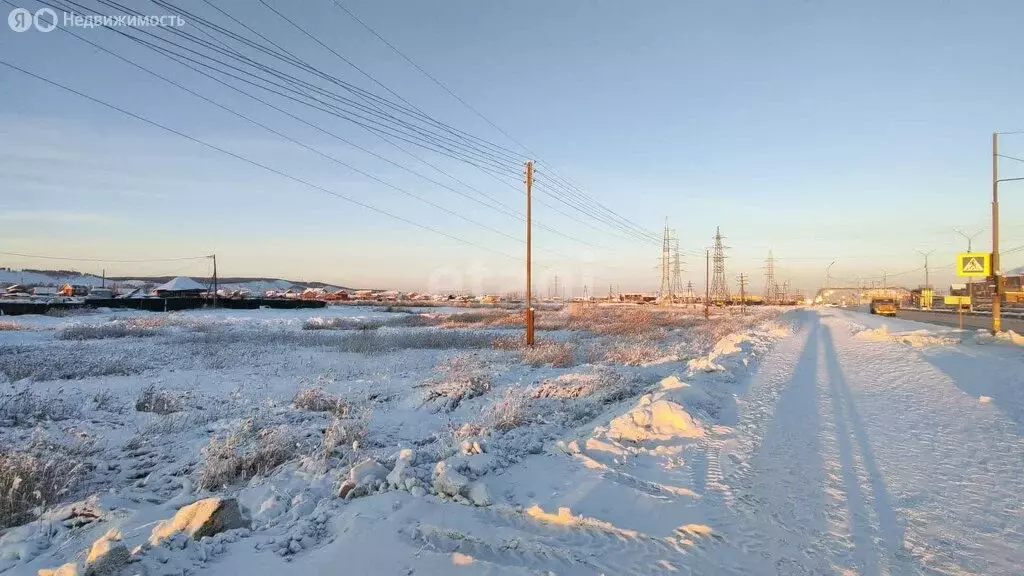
825,441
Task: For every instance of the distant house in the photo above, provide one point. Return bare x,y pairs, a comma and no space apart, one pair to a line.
73,290
363,295
313,294
180,287
389,296
44,291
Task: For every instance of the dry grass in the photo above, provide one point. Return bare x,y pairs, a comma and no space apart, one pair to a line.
159,401
252,449
10,327
316,399
460,378
557,354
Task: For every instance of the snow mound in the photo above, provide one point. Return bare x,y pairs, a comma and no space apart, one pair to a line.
985,399
915,338
654,420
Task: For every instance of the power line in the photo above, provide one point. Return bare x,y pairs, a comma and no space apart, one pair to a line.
378,128
250,161
99,260
560,181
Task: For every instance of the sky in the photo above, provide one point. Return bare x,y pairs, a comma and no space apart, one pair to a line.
850,132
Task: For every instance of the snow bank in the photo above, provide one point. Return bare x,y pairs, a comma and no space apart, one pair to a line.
915,338
654,420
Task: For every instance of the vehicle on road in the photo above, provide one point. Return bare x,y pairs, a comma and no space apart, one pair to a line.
883,306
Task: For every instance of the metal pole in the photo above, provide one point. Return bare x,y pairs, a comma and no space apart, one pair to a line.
707,282
529,263
996,278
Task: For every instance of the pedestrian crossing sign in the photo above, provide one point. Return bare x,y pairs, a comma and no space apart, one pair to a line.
975,264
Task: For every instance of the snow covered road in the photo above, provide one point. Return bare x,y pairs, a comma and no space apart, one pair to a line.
878,458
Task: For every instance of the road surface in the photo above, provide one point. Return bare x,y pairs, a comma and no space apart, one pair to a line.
950,319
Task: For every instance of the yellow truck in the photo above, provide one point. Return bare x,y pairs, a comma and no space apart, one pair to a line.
883,306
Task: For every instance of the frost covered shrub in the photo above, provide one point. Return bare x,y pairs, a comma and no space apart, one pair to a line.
316,399
340,323
557,354
26,408
604,383
342,434
461,378
252,449
512,411
116,329
159,401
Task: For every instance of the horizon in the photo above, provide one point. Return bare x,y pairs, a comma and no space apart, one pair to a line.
855,134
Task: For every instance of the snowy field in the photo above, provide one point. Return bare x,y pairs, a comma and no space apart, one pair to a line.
428,441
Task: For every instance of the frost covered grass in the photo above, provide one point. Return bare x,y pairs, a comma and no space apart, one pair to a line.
71,362
117,329
557,354
633,353
341,323
543,352
10,326
370,342
27,408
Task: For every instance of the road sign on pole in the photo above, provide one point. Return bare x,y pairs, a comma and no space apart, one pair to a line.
974,264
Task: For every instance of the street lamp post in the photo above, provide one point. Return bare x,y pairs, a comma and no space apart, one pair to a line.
997,277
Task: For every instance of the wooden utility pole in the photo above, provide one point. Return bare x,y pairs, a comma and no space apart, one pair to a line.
529,271
214,256
996,277
103,283
707,283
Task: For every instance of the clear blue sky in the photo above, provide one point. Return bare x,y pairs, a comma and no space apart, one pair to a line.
853,131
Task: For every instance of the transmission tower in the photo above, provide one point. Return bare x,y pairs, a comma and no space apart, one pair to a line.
719,285
691,296
771,289
677,270
665,291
